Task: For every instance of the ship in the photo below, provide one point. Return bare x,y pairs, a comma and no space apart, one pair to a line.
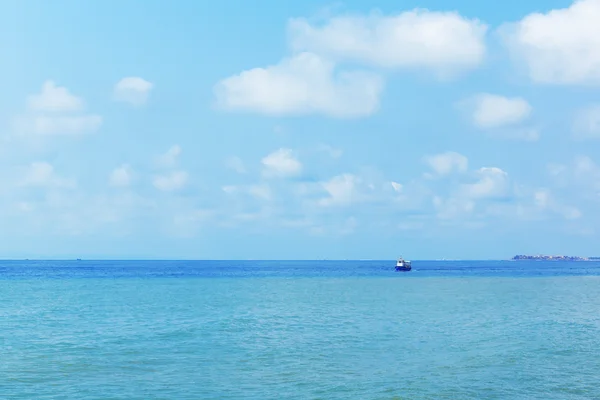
403,265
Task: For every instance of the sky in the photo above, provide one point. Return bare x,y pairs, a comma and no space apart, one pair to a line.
299,130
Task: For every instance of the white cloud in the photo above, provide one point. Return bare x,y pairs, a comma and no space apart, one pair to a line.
236,164
115,213
440,41
447,163
54,99
397,186
581,176
281,163
121,176
492,183
542,198
58,125
170,157
171,181
230,189
342,190
584,165
494,111
587,172
571,212
469,204
332,151
349,226
535,204
42,174
300,85
525,134
544,201
55,111
556,170
314,207
187,223
133,90
587,123
174,179
453,207
259,191
561,46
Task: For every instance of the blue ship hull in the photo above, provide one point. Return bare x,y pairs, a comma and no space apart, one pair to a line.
403,265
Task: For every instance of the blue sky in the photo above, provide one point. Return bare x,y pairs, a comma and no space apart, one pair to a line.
307,130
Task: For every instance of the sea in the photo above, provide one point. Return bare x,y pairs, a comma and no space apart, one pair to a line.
299,330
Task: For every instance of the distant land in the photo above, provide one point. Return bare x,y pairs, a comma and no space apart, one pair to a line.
555,258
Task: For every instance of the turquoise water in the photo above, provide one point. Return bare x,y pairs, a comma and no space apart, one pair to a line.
299,330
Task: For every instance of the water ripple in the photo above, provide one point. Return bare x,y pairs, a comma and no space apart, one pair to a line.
338,335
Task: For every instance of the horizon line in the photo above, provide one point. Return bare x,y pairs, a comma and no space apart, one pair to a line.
250,259
285,259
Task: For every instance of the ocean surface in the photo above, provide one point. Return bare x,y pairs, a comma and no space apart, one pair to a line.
299,330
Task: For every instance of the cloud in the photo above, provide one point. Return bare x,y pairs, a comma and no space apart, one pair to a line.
58,125
332,151
133,90
54,98
542,198
118,214
55,111
230,189
171,181
556,170
584,166
259,191
174,179
452,207
236,164
473,202
300,85
396,186
587,123
570,212
368,188
186,223
561,46
545,201
444,42
501,117
581,176
349,226
170,157
341,190
42,174
532,204
525,134
494,111
587,173
447,163
281,163
492,182
121,176
315,207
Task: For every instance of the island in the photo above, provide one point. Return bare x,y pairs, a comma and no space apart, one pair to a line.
541,257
